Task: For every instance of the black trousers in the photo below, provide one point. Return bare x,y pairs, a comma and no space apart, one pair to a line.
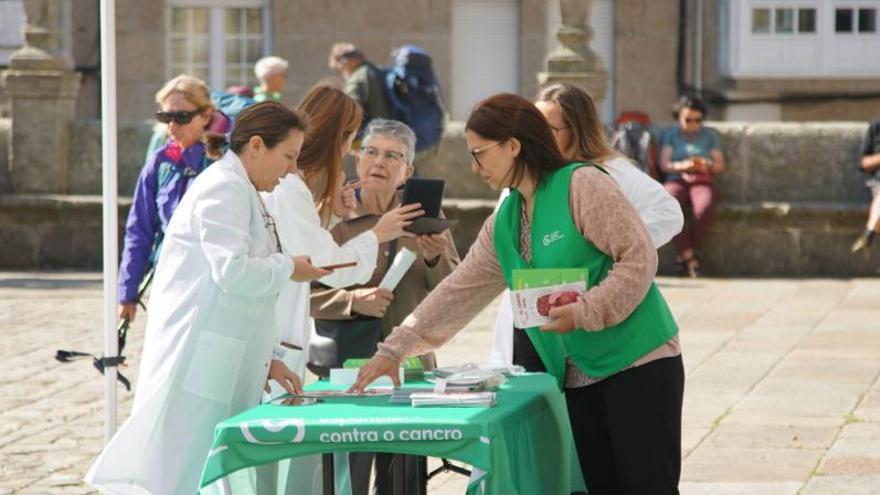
627,428
361,464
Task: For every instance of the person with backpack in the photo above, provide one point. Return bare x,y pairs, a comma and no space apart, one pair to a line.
414,96
631,135
364,81
185,106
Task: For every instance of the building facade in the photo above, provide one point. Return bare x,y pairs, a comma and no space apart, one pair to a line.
791,60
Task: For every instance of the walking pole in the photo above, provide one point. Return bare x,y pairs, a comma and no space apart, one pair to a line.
110,208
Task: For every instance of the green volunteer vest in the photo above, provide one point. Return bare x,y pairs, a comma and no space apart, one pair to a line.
557,243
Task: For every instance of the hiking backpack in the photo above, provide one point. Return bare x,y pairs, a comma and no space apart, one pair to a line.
631,136
414,96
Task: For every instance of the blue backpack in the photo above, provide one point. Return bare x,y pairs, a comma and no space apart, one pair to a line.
229,103
414,96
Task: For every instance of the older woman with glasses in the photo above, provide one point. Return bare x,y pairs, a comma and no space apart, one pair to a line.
691,157
185,107
352,321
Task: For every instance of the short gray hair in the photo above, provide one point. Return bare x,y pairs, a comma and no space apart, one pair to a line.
267,67
393,129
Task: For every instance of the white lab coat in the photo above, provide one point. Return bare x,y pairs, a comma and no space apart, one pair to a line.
293,206
659,211
209,340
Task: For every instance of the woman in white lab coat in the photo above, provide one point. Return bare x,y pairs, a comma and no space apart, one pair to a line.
580,136
211,339
305,204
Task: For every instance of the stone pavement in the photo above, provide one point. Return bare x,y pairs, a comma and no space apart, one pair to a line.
782,393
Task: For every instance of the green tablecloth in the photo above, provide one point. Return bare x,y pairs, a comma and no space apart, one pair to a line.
523,445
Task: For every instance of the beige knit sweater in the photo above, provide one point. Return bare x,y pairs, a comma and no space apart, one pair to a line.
604,217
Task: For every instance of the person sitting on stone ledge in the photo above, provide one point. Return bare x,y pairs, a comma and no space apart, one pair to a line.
690,157
185,107
869,164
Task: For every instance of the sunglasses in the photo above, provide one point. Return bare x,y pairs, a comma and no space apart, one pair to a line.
181,118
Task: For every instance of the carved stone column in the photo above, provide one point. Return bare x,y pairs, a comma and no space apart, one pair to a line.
42,91
573,61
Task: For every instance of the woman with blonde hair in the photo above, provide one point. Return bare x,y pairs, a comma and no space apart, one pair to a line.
186,109
306,202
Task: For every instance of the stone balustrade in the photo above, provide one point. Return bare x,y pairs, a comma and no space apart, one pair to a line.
792,199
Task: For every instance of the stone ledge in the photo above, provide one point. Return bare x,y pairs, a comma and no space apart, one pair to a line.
792,239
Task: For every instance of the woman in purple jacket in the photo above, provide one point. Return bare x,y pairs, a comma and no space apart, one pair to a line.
186,107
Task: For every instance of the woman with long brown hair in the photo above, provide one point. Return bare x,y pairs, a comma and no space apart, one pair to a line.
306,200
606,349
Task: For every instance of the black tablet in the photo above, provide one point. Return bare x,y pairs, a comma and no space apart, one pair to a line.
428,192
428,225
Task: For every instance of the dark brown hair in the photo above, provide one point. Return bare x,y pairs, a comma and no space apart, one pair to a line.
333,117
506,116
581,118
689,101
270,120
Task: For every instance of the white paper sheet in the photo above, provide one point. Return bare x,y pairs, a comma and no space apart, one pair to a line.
402,261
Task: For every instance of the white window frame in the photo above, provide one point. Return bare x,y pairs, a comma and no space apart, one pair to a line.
11,22
736,38
216,33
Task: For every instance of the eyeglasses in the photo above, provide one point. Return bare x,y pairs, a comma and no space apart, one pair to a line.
181,117
374,154
269,224
698,120
476,151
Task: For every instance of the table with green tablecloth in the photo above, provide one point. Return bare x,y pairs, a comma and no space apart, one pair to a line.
522,445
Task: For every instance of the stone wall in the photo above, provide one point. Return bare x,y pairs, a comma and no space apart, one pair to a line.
51,232
792,201
84,164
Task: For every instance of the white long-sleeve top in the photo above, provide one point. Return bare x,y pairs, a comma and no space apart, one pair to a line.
299,228
659,211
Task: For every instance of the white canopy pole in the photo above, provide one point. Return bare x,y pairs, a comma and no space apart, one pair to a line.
110,207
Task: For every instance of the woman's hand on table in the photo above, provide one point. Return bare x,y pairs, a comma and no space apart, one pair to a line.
279,372
561,319
376,367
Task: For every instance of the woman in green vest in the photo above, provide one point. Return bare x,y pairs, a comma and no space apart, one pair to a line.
610,350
